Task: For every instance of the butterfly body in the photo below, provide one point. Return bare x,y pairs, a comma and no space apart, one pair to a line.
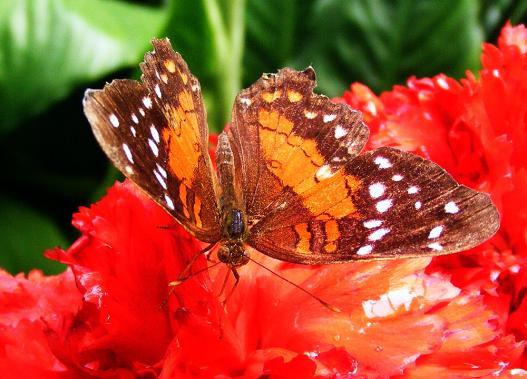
290,179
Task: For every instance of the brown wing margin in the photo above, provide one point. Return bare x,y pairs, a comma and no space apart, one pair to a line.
155,133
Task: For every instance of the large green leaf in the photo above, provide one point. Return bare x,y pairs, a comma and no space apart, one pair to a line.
47,47
24,236
382,42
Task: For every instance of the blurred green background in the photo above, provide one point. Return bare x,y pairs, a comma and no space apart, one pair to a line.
52,50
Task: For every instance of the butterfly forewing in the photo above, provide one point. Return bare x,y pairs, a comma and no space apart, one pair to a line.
284,136
155,133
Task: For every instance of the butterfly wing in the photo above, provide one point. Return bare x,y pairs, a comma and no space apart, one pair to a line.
324,203
155,133
282,134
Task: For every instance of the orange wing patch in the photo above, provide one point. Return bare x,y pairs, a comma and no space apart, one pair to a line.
303,245
299,165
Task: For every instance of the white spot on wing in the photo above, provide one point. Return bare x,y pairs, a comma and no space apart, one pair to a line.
324,172
382,162
135,119
413,190
160,180
397,178
128,153
310,115
153,147
158,90
329,117
169,202
378,234
383,205
245,101
141,111
114,120
155,133
340,132
451,207
147,102
132,129
129,170
417,205
435,246
372,223
376,190
436,232
161,170
365,250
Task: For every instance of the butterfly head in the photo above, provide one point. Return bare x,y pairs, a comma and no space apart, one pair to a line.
233,254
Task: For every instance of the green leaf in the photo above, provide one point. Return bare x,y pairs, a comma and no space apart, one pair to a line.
47,47
274,34
24,236
381,42
495,13
209,34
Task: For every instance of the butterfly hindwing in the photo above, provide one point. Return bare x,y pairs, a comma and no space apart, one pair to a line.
310,198
155,133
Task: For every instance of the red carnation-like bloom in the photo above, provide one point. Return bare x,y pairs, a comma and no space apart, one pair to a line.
455,316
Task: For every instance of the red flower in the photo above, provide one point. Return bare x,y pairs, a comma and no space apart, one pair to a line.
456,316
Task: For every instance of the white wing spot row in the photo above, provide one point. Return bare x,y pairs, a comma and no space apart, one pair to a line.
114,120
128,153
378,234
160,179
153,147
340,132
451,207
155,133
383,205
158,90
377,190
370,224
382,162
365,250
435,246
169,202
436,232
413,190
329,117
147,102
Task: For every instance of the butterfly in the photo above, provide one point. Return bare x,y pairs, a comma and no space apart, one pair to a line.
290,181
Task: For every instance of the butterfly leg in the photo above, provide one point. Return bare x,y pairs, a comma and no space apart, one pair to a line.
237,280
184,274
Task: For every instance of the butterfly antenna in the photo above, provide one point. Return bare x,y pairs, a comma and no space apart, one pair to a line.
324,303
